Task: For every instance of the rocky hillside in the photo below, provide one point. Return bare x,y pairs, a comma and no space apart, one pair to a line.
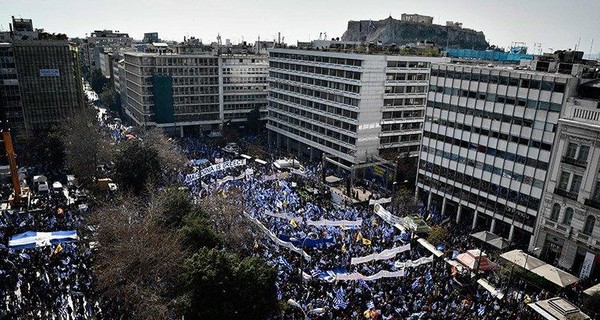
401,32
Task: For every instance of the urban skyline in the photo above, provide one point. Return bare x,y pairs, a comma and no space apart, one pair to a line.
556,24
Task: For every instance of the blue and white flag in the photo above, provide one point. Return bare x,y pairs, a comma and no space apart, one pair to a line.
339,301
481,311
370,305
282,261
32,239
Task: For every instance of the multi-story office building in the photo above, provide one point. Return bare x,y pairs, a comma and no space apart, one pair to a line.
568,232
244,86
348,106
192,92
94,45
488,137
41,83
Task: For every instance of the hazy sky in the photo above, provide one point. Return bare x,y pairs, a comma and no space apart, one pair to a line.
553,23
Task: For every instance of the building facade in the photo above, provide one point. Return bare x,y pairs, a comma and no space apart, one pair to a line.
94,45
192,93
49,81
346,105
487,142
10,97
416,18
568,232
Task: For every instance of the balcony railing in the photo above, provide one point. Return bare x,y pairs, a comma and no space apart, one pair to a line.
565,193
560,228
592,203
575,162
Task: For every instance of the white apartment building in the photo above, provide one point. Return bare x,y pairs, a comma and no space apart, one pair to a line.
488,138
349,106
568,232
192,93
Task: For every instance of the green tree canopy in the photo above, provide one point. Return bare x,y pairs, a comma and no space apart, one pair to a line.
136,164
221,286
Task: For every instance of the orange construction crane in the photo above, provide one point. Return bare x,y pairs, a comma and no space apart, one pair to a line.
12,162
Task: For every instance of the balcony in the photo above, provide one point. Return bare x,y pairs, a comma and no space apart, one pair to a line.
566,194
592,203
575,162
560,228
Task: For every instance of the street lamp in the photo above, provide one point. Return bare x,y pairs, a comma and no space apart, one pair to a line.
312,236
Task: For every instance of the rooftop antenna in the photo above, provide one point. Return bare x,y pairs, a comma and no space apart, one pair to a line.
592,46
578,43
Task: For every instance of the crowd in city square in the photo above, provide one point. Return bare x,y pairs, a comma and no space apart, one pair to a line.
331,257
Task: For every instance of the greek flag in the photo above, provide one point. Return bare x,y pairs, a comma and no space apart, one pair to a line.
315,272
285,263
339,301
364,284
481,311
370,305
32,239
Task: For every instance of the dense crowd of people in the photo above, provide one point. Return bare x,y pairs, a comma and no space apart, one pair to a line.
428,291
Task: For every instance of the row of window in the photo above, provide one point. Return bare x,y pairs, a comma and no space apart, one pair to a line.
340,112
316,70
406,76
485,186
490,97
498,79
183,109
335,122
244,79
485,167
401,126
192,100
313,128
405,89
317,82
403,102
579,153
490,133
478,201
305,134
187,81
304,57
570,182
519,121
402,114
178,61
400,139
195,90
315,93
244,106
190,71
408,64
244,97
538,164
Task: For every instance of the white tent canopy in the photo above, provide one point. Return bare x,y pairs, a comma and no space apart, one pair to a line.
555,275
522,259
332,179
558,309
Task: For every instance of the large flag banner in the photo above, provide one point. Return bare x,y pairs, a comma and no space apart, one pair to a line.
32,239
388,217
380,201
413,263
383,255
278,241
215,168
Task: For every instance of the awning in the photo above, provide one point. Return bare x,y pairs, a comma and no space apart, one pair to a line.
332,179
491,239
263,162
555,275
487,286
590,291
499,243
558,309
430,247
522,259
245,156
470,260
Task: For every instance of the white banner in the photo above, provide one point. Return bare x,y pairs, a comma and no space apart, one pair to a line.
335,223
278,241
586,267
215,168
283,216
383,255
381,274
388,217
413,263
380,201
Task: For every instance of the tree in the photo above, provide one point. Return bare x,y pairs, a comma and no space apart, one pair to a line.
226,215
405,202
137,264
220,285
591,304
169,155
253,123
438,235
85,145
136,164
98,81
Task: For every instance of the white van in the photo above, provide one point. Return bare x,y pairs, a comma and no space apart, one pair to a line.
286,164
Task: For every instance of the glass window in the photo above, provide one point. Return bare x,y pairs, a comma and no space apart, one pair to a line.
555,212
564,180
568,216
589,225
576,183
571,150
583,153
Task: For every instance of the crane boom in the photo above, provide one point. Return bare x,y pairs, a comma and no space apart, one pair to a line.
12,162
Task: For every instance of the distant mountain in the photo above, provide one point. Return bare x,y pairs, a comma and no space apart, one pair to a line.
402,32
